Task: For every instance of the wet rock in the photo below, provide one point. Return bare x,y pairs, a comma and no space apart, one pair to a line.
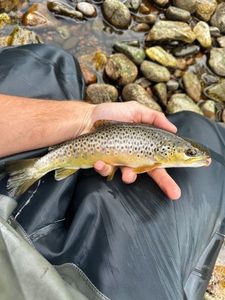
216,92
218,19
214,31
4,41
148,19
121,69
209,109
161,2
202,33
89,76
192,86
142,27
217,61
21,36
205,9
4,19
177,14
181,102
133,4
64,9
221,41
189,5
137,55
172,85
209,79
100,93
154,72
99,59
35,16
144,82
160,90
135,92
117,13
186,51
8,5
143,9
87,9
171,30
161,56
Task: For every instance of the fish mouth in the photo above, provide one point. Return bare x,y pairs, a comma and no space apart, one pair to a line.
205,161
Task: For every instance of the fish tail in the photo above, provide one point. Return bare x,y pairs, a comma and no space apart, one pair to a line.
21,176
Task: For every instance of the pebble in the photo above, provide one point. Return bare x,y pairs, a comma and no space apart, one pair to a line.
177,14
218,19
181,102
216,91
89,76
209,79
192,86
189,5
142,27
161,92
148,19
133,4
161,56
87,9
172,85
137,55
203,34
155,72
117,13
209,109
64,9
221,41
217,61
100,93
161,2
205,9
214,31
186,51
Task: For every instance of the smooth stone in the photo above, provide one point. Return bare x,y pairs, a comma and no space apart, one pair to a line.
181,102
192,86
218,19
208,108
209,79
214,31
8,5
36,15
133,4
137,55
161,56
172,85
221,41
160,90
89,76
144,82
64,9
205,9
216,92
189,5
171,30
143,9
99,59
135,92
186,51
117,13
4,41
99,93
217,61
161,2
177,14
203,35
4,20
148,19
86,9
142,27
155,72
121,69
21,36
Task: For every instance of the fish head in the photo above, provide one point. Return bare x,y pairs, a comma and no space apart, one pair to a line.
185,153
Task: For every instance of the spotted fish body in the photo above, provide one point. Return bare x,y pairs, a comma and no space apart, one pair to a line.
138,146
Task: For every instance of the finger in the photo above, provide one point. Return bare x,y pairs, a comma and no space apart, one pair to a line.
128,176
102,168
166,183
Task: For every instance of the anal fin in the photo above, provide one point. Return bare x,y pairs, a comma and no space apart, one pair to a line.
63,173
144,169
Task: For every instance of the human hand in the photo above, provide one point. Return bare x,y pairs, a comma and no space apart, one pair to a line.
137,113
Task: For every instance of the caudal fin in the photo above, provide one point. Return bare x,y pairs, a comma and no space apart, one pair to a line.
21,176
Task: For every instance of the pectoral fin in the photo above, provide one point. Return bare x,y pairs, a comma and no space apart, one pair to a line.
144,169
111,175
63,173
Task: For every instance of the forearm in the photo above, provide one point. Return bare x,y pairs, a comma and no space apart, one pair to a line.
27,124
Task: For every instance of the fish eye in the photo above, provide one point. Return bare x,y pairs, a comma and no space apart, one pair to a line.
191,152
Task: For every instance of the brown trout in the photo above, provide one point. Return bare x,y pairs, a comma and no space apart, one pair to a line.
138,146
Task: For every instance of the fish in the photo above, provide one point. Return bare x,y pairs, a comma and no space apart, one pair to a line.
138,146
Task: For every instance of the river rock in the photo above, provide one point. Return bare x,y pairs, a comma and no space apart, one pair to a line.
186,51
181,102
8,5
64,9
217,61
148,19
160,90
189,5
172,85
177,14
161,2
117,13
144,9
136,54
192,85
142,27
205,9
21,36
121,69
89,76
4,19
86,9
161,56
221,41
218,19
154,72
208,108
99,93
209,79
171,30
216,92
36,15
133,4
135,92
202,33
